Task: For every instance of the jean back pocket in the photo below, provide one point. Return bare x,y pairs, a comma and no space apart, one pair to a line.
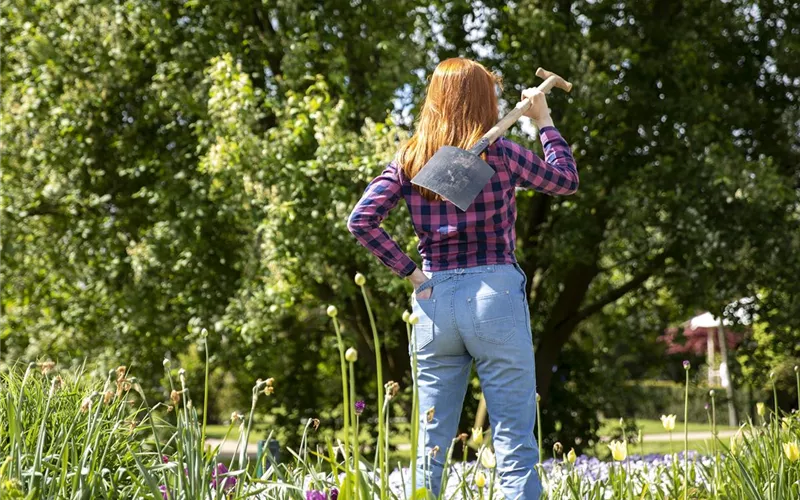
493,316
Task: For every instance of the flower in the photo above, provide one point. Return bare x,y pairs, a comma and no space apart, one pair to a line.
351,355
166,362
175,397
619,450
163,489
406,315
711,393
236,417
487,458
332,311
792,451
269,389
477,436
413,319
558,448
571,456
761,409
686,364
226,483
164,459
315,495
480,479
668,421
334,494
735,448
392,388
360,279
86,404
107,397
360,405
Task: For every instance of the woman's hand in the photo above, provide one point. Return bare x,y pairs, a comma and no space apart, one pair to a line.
538,112
417,278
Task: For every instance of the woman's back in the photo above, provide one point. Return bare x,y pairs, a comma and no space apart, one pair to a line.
484,234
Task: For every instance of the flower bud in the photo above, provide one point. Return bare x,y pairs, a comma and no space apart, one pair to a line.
711,393
332,311
406,315
558,449
166,362
413,319
360,279
686,364
761,409
480,479
351,355
571,456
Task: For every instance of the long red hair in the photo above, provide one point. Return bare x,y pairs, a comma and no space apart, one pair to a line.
460,106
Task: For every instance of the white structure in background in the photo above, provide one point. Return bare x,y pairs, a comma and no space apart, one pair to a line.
712,323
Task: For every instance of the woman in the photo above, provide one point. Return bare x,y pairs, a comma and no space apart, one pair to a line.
470,294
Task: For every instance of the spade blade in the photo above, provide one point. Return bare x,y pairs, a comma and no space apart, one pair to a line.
455,174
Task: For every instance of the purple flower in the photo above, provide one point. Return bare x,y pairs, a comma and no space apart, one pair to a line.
165,459
315,495
226,483
163,490
334,494
686,364
360,405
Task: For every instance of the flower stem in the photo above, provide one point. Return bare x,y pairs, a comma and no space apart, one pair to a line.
354,416
539,427
379,368
345,395
686,438
714,441
414,411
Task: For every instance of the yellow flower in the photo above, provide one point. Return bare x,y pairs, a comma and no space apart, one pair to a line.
477,436
351,355
571,457
792,451
487,458
619,450
480,479
668,421
761,409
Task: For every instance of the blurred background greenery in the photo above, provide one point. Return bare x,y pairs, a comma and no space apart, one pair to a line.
169,166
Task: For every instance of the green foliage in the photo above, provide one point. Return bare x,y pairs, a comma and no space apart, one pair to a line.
169,166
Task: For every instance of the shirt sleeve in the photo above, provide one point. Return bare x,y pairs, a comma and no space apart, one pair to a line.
556,174
381,195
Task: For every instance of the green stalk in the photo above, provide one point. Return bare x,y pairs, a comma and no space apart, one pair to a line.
714,440
539,426
686,438
797,378
414,412
345,395
356,451
205,394
379,367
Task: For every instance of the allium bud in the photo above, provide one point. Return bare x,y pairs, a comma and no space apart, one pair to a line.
711,393
166,362
413,319
406,315
686,364
332,311
360,279
351,355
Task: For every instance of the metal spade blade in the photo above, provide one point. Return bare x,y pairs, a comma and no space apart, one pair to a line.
455,174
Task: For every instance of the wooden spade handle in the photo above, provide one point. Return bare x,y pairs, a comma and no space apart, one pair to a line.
551,80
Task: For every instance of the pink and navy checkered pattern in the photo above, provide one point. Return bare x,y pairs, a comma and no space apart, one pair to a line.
482,235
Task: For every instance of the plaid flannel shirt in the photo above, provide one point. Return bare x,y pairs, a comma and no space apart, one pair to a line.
484,234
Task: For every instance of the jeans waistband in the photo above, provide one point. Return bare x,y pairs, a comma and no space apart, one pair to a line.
491,268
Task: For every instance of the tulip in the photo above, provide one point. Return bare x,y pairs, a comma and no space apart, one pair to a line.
477,436
488,459
668,421
792,451
480,479
571,456
761,409
619,450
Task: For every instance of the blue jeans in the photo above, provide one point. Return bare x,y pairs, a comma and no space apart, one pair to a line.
481,314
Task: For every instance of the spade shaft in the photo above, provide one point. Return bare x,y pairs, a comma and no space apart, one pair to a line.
458,175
